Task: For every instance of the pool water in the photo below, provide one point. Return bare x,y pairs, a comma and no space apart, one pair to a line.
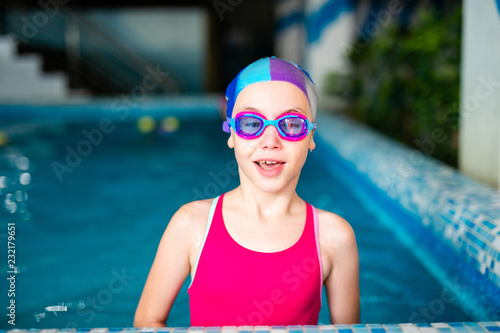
88,225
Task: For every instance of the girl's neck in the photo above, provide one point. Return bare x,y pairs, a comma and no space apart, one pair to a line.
265,206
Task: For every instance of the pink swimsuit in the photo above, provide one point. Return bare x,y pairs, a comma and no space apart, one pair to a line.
236,286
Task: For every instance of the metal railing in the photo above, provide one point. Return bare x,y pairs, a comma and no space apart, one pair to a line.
94,55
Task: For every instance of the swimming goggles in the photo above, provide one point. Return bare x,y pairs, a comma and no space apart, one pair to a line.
251,125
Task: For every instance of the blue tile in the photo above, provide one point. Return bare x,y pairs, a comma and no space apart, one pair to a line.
216,329
476,240
460,329
469,223
423,324
378,330
493,328
311,328
180,329
345,330
455,324
489,224
194,329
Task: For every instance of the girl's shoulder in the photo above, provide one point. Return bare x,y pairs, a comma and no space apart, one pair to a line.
193,213
190,220
334,231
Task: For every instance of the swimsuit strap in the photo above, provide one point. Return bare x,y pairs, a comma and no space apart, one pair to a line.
209,223
316,235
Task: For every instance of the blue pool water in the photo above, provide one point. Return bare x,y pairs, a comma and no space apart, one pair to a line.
86,234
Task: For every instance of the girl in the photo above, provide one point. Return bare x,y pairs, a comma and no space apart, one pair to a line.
259,254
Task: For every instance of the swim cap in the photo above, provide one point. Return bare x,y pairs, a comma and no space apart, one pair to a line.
263,70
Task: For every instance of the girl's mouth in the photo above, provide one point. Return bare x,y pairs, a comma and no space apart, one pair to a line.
268,164
269,168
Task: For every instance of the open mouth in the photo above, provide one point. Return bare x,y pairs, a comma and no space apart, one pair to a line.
269,165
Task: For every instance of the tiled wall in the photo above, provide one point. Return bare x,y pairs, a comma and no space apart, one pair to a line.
462,212
468,327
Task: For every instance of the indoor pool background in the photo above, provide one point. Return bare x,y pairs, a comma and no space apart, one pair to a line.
87,242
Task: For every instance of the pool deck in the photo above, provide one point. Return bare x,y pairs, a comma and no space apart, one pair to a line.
462,213
453,327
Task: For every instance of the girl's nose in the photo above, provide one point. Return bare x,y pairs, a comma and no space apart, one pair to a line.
270,139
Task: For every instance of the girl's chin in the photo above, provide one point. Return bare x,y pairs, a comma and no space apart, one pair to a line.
271,185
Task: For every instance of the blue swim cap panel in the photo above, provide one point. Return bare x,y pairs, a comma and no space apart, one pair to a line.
259,71
264,70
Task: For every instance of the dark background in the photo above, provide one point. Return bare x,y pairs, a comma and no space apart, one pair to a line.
244,35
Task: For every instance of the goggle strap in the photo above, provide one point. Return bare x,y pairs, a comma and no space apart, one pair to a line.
225,126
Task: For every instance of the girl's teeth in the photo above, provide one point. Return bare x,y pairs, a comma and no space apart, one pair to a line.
267,162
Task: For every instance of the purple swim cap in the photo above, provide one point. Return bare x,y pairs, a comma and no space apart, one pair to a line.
263,70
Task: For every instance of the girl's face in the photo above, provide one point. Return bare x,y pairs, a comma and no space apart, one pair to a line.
285,159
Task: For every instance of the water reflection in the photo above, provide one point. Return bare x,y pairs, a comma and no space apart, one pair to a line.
25,178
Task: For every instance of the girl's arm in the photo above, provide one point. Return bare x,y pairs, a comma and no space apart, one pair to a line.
170,269
342,283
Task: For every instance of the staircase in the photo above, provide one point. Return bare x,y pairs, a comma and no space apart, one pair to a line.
22,77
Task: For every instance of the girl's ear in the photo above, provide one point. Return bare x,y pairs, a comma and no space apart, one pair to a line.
230,141
312,144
